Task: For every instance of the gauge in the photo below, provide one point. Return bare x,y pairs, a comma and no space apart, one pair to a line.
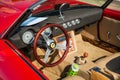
64,25
77,21
73,22
28,37
69,24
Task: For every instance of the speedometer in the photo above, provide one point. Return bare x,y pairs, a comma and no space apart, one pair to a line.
28,37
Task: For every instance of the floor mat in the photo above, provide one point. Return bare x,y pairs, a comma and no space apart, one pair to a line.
82,46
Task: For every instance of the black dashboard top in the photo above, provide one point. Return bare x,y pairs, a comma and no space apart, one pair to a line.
74,18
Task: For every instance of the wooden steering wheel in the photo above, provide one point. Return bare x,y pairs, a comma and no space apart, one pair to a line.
50,45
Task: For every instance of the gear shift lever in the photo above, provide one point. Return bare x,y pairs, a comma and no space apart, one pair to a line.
81,60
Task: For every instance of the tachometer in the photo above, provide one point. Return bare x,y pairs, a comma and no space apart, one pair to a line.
28,37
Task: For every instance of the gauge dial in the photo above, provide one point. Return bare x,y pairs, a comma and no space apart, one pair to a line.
28,37
69,24
64,25
77,21
73,22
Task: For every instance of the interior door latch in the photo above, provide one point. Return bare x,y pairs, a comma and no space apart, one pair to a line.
118,36
108,36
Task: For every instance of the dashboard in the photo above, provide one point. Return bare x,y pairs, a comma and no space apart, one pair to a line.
75,18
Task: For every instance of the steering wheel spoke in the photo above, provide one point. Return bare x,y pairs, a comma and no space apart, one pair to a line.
45,37
48,51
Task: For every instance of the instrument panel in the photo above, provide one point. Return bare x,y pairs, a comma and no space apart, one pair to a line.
74,19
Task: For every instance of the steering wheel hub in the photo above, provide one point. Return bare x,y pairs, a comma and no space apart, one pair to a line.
52,45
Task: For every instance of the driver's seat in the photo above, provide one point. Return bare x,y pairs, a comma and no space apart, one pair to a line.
111,65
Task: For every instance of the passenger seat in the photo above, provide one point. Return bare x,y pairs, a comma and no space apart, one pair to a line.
111,65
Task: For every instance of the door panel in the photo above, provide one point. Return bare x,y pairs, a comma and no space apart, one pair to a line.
109,31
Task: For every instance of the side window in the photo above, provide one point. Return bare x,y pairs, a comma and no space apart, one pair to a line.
115,5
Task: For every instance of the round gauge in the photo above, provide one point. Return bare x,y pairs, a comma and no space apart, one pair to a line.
73,22
64,25
77,21
28,37
69,24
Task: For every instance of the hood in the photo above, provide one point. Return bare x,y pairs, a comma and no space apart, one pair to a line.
10,11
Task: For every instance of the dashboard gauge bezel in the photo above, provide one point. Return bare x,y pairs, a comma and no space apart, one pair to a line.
28,33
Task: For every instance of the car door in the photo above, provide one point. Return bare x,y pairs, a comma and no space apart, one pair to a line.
109,27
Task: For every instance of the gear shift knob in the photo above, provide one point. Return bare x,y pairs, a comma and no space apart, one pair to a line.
85,55
81,60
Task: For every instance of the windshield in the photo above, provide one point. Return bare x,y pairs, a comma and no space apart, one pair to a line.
115,4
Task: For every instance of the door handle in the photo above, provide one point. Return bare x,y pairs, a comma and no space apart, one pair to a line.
118,36
108,36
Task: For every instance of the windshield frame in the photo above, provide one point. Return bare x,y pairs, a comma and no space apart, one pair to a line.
27,13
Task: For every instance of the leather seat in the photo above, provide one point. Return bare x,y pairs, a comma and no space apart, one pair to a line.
111,65
73,78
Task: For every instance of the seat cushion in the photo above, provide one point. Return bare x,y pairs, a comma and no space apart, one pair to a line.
103,62
114,65
111,65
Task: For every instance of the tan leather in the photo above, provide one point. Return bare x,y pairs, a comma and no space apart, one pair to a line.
114,75
102,63
97,76
112,27
74,78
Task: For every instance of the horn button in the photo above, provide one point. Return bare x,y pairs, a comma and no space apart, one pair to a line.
52,45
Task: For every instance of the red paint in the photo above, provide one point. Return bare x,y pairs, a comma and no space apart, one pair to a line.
11,10
51,3
9,14
12,67
112,14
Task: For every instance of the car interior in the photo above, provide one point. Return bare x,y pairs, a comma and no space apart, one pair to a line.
53,40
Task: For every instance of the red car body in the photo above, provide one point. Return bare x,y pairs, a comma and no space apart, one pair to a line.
14,65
